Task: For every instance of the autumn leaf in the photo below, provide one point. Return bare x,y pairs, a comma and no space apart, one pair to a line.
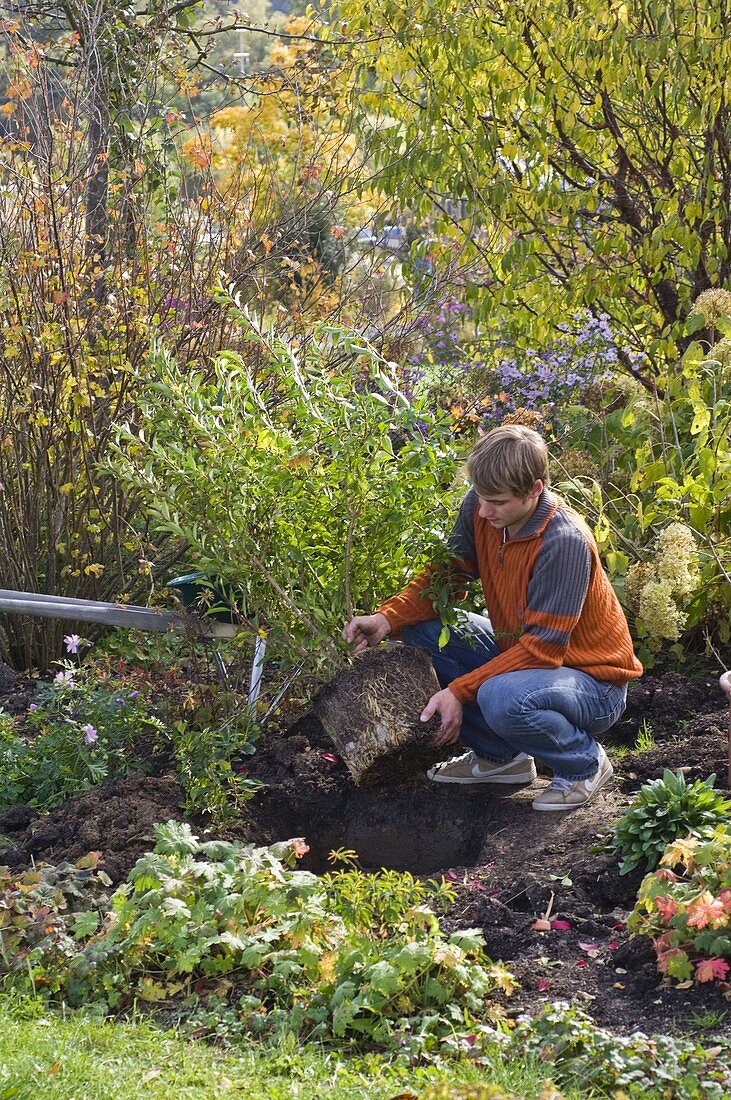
709,970
666,907
706,909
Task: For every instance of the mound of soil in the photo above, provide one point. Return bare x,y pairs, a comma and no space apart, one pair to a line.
115,818
508,865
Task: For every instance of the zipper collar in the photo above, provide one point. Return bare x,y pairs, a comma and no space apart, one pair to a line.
544,512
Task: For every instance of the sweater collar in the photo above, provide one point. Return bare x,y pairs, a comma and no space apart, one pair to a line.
544,511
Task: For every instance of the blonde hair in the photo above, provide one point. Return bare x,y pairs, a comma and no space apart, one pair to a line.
510,457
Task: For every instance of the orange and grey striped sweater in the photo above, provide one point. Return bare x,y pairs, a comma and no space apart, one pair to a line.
549,600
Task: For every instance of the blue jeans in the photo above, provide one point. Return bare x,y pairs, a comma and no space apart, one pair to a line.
553,714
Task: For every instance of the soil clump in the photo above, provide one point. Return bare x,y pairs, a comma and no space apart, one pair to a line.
370,712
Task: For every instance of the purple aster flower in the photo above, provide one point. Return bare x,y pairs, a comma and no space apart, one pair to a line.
90,734
71,642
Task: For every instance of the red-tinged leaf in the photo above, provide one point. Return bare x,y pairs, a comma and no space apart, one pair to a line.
541,925
451,876
470,1040
613,945
618,927
54,1069
589,946
709,970
561,925
703,910
543,985
581,962
330,757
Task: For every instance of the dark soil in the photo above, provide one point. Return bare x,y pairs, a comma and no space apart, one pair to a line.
508,864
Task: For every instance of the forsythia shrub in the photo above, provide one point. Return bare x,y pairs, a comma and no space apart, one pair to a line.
685,908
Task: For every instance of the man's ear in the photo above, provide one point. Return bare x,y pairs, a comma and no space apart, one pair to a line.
537,488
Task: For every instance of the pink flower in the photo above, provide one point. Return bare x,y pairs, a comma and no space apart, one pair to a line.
65,677
90,734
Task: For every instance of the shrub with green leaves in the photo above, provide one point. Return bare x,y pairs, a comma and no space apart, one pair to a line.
224,924
300,475
664,810
208,765
685,907
580,1053
663,458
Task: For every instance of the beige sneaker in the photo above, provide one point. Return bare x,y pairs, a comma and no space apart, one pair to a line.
471,768
562,794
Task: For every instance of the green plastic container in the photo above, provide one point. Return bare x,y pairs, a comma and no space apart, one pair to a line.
205,596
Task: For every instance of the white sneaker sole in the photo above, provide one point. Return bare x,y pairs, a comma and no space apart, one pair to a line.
506,780
562,809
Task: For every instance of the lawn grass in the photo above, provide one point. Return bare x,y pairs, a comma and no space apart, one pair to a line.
44,1056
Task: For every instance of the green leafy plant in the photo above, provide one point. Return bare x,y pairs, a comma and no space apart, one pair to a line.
43,913
78,733
211,770
579,1052
284,470
645,740
685,907
376,904
664,810
217,920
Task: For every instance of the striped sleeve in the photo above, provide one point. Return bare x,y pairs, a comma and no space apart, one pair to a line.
555,598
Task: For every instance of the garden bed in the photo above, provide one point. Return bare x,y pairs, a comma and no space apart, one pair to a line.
508,865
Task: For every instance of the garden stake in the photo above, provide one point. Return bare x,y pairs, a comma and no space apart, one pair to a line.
726,686
257,670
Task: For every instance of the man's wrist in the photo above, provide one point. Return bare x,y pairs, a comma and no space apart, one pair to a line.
386,621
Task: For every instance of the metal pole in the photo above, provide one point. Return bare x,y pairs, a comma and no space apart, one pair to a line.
39,605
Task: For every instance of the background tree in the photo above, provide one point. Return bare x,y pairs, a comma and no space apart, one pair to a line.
591,142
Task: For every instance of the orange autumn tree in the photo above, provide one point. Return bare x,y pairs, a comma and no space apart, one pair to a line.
284,156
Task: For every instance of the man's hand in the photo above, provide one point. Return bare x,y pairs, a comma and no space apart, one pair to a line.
450,709
365,631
